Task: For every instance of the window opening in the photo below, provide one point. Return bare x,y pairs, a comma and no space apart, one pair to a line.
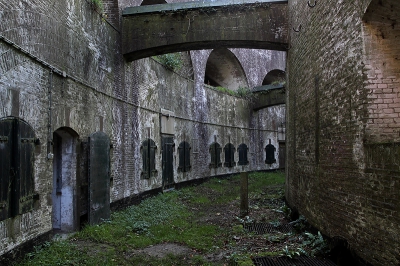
184,157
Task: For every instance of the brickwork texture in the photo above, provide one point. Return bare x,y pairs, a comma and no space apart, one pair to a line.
343,130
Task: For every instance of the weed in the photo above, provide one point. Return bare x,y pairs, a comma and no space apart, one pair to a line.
236,229
292,253
172,61
98,4
316,243
300,224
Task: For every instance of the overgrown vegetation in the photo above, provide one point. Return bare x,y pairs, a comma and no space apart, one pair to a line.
97,4
202,219
172,61
241,92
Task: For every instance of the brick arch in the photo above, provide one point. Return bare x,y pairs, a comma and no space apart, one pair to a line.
224,69
274,76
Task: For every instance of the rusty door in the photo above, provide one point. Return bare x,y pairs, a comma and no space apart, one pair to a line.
99,178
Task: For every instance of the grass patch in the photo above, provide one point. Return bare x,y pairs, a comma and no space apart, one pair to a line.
185,217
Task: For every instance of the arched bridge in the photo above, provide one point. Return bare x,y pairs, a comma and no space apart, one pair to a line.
167,28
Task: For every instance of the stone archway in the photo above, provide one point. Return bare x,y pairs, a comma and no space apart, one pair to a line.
223,69
275,77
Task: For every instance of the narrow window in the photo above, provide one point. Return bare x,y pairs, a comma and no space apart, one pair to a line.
17,141
148,149
229,151
242,149
270,153
215,151
184,157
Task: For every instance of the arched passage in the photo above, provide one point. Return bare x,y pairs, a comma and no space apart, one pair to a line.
274,77
224,69
64,195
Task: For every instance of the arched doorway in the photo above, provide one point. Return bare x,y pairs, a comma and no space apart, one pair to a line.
64,195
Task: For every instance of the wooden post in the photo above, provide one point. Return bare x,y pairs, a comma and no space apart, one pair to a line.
244,194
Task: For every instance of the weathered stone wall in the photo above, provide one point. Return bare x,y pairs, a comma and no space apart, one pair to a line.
61,67
57,69
334,89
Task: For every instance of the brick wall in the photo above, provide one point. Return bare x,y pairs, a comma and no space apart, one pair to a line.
334,90
382,57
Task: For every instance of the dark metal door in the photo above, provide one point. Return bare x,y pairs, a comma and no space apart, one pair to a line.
26,167
6,172
99,178
168,160
17,141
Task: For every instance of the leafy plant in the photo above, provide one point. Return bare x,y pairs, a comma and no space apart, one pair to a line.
245,93
293,253
300,224
317,244
97,4
225,90
171,61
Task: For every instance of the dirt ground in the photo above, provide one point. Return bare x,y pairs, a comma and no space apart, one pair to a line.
265,208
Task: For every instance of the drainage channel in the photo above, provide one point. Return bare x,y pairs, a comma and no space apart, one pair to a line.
263,228
285,261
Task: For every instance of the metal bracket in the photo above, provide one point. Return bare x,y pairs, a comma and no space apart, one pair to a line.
315,3
298,29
